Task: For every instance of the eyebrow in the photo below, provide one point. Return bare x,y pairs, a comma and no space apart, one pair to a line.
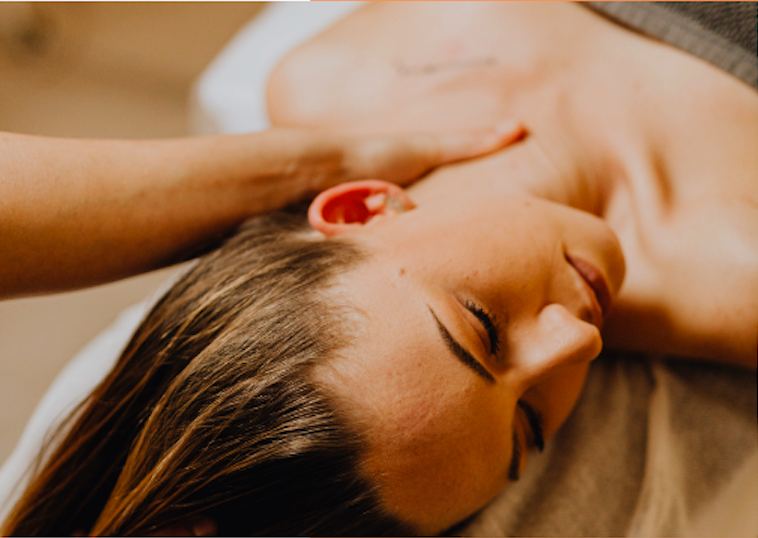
460,352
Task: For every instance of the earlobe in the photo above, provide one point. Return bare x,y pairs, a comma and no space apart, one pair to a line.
351,205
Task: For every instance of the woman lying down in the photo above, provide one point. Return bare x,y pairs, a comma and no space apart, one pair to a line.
390,362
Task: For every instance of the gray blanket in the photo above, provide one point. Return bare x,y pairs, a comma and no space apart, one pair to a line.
654,448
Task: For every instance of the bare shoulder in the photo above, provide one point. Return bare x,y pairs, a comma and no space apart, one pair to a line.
692,287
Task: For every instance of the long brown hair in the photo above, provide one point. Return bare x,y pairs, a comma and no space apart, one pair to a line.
212,408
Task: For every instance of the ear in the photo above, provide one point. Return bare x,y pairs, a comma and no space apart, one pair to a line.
351,205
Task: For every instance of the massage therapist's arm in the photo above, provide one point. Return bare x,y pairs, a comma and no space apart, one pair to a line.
76,213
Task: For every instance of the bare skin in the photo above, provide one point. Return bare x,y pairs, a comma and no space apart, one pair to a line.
659,144
77,213
448,429
654,145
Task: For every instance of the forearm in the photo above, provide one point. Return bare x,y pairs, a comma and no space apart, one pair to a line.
75,213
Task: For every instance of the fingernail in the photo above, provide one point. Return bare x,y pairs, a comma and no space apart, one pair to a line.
204,527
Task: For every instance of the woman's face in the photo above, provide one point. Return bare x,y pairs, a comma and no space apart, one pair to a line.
477,330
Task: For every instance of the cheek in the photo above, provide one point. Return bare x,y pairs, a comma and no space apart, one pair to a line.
441,459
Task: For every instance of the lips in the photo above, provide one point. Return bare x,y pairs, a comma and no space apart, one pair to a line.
594,278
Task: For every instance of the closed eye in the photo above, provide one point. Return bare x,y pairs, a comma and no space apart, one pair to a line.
489,322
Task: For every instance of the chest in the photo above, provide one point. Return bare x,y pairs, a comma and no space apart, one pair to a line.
401,66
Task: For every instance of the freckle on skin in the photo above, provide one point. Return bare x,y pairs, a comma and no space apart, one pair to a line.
401,272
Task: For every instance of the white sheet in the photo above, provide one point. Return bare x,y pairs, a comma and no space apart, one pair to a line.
230,96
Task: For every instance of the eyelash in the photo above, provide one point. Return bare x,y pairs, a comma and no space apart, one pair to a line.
490,325
535,423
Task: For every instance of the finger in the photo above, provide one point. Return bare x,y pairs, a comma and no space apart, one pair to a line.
459,146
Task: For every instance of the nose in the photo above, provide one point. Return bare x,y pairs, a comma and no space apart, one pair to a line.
556,338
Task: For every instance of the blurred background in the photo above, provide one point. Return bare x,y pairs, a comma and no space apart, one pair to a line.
111,70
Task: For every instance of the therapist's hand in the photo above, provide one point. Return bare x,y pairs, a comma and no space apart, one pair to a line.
406,157
85,212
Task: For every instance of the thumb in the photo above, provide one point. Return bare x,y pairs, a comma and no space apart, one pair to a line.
465,145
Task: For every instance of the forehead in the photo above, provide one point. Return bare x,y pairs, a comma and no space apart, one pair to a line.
439,438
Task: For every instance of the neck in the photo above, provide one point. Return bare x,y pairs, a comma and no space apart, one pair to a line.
562,159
